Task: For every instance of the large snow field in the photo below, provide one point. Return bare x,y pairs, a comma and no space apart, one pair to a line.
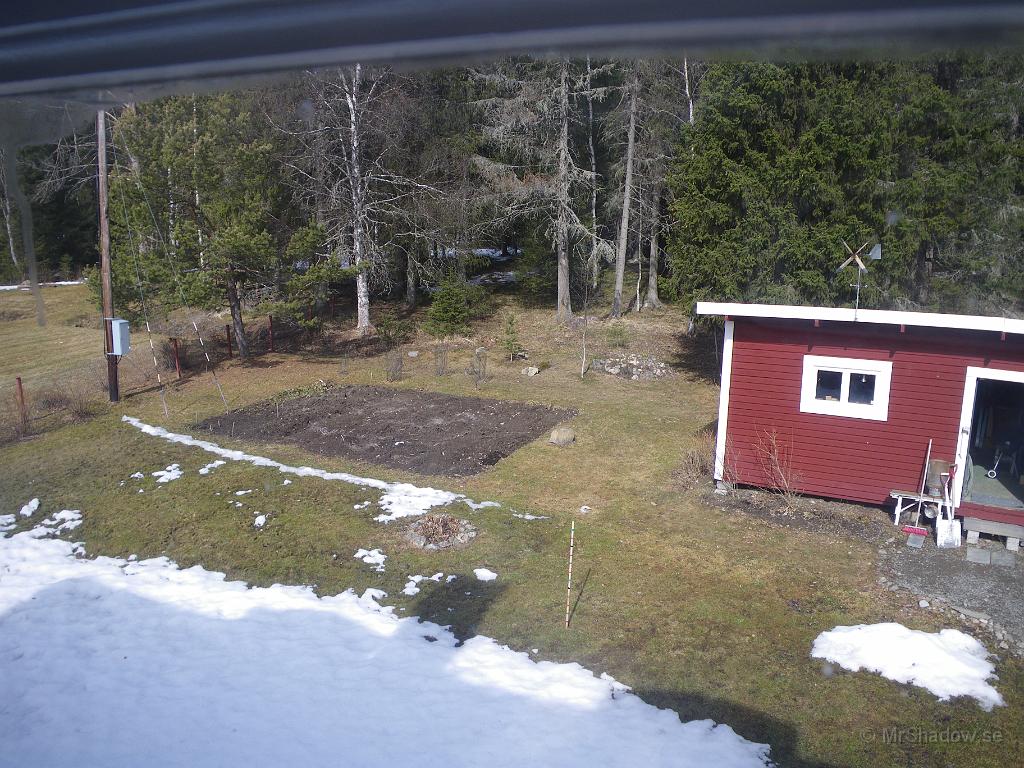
107,661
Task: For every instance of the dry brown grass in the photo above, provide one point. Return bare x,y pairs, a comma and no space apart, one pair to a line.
698,463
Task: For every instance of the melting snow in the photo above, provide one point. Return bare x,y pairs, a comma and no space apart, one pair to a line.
6,523
58,522
29,509
173,472
104,661
485,574
411,587
286,481
947,663
397,499
363,505
528,516
211,466
371,557
259,521
243,493
137,476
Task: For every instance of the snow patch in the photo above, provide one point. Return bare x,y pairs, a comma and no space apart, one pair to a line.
475,505
243,493
528,516
286,481
137,476
58,522
29,509
397,499
484,574
6,523
260,521
173,472
363,505
372,557
211,466
106,646
947,663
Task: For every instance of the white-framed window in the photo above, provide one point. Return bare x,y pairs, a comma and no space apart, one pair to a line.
845,386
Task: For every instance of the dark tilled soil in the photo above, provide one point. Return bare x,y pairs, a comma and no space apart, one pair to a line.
426,432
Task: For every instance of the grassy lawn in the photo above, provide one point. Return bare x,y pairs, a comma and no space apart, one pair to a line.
688,604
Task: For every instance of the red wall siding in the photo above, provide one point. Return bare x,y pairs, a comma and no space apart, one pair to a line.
841,457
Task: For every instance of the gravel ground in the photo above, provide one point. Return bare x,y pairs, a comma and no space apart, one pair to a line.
988,595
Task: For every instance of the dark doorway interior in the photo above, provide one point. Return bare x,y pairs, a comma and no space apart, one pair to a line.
995,462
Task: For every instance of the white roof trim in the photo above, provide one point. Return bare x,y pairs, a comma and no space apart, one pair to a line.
877,316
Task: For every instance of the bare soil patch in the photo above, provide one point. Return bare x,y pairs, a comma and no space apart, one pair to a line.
426,432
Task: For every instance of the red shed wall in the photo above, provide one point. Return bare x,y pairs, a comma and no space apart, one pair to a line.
842,457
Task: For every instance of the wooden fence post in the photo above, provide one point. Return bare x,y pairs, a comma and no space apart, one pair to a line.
271,320
227,331
177,362
21,404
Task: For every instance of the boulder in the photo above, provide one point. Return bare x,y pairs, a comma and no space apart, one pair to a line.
530,370
414,353
562,436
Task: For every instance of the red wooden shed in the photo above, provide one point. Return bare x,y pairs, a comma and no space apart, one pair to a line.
842,403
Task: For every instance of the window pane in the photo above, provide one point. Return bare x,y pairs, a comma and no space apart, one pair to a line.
862,388
830,385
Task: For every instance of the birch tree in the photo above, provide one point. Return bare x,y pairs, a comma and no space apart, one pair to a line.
630,97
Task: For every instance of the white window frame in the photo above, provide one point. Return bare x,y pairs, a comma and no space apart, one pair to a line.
876,411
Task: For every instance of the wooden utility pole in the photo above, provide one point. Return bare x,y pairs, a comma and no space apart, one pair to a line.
107,289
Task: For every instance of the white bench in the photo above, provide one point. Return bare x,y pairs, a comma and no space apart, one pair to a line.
912,500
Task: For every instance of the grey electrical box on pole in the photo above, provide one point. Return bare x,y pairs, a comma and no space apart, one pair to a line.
119,337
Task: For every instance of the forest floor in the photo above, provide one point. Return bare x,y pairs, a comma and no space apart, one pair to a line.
707,609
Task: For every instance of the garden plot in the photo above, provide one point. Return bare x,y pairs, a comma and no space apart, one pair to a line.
426,432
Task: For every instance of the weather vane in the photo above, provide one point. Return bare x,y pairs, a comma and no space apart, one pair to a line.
875,254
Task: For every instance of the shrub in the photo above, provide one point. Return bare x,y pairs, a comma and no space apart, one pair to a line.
617,335
392,330
450,309
510,339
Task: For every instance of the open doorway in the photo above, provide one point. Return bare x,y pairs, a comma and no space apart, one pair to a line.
995,455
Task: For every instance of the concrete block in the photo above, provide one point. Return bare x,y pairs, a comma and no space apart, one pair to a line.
1004,558
915,540
980,556
973,536
1012,543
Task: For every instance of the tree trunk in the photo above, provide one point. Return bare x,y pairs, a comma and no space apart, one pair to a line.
594,266
236,317
357,191
563,312
5,201
627,194
410,279
653,300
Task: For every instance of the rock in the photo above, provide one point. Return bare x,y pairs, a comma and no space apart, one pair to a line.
562,436
923,603
530,370
414,353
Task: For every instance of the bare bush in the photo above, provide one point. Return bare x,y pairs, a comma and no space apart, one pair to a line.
394,365
441,358
438,528
698,464
776,460
477,369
